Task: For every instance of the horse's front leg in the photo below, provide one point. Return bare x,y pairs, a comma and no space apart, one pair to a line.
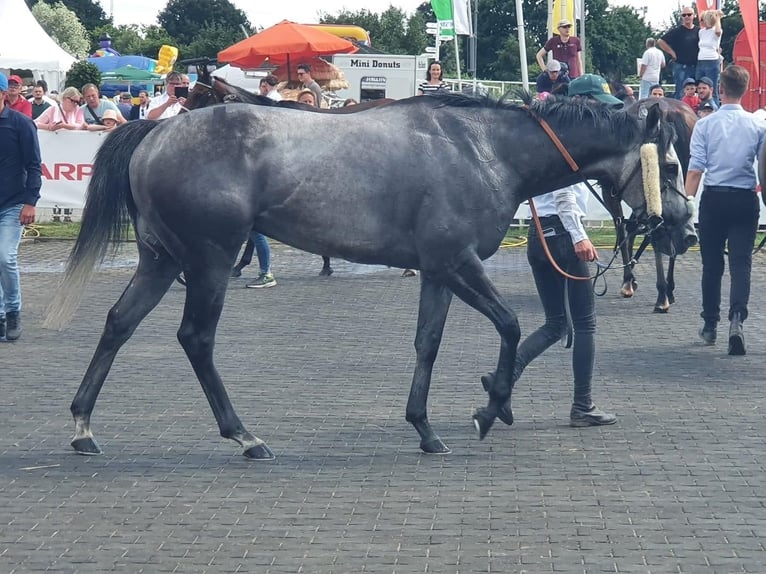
435,300
205,292
629,283
662,305
471,284
670,279
154,275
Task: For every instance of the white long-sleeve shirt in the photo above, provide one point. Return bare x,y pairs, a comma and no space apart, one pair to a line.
570,204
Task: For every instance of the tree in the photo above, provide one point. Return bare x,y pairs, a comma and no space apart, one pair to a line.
89,12
389,31
185,20
125,39
61,24
615,38
210,40
81,73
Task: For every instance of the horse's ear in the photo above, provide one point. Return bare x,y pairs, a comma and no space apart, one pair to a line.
653,116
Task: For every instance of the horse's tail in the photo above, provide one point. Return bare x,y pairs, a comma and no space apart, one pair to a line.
108,209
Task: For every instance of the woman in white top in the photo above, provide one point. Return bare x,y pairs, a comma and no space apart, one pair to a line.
65,115
709,55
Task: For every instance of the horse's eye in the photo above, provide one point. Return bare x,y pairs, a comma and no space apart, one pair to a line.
671,169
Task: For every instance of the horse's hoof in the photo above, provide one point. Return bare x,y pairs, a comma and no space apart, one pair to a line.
662,308
434,446
671,299
482,422
326,271
86,446
506,414
627,293
259,452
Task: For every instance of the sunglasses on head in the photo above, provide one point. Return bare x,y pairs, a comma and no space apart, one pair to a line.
567,26
687,15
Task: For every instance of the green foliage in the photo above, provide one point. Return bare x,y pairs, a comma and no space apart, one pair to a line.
61,24
89,12
154,38
615,39
125,39
210,40
391,31
81,73
186,20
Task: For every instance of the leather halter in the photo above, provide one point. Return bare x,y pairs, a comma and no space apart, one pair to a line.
576,169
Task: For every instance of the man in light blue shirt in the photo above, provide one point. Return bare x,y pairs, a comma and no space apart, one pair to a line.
724,147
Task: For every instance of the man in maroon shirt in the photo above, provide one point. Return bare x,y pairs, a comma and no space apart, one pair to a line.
13,98
565,49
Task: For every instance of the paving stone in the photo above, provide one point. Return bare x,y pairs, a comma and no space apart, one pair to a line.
320,368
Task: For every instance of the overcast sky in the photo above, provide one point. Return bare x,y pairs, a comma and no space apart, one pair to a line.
266,13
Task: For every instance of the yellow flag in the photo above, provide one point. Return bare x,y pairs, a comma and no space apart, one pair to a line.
562,10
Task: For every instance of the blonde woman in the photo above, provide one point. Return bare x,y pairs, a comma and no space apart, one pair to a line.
65,115
708,57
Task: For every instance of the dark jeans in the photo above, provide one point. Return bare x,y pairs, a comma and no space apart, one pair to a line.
680,73
723,216
551,288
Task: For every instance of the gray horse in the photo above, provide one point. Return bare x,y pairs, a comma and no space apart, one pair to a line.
425,183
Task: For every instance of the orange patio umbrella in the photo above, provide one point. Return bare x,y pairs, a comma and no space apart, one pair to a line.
283,43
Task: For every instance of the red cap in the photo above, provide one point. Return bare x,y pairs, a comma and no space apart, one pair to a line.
15,78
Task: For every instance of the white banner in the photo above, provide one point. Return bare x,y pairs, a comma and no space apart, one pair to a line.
67,164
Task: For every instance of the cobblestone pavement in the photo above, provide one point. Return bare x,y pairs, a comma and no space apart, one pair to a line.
320,369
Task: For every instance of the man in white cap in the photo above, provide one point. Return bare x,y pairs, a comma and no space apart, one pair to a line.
551,77
565,48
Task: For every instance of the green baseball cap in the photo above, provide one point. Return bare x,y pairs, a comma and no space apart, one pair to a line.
595,87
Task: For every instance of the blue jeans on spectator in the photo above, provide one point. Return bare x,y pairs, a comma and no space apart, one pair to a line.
10,236
643,89
262,251
711,69
680,73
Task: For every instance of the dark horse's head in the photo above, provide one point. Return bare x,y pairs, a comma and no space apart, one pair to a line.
643,169
683,119
622,92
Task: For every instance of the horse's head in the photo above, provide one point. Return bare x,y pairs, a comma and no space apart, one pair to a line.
661,182
201,96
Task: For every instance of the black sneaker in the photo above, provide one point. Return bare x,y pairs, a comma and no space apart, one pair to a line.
12,325
2,328
708,334
592,417
736,337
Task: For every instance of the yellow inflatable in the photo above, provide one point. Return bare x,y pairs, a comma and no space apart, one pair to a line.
166,59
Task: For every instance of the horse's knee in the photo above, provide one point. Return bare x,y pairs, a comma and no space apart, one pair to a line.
427,346
192,341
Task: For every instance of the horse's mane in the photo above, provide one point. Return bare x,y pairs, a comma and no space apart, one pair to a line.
623,128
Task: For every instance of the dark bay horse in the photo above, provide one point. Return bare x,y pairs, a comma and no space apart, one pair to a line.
682,118
195,185
219,91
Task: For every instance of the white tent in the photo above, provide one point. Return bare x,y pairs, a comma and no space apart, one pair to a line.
25,45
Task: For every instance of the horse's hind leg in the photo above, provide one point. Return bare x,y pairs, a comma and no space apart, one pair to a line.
662,305
435,300
205,293
326,267
470,282
154,275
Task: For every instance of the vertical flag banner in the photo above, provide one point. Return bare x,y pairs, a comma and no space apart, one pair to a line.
461,15
749,9
443,12
562,10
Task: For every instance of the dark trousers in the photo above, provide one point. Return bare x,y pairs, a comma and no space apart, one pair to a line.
732,217
551,288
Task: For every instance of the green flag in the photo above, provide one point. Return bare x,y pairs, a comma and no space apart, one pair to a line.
443,11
